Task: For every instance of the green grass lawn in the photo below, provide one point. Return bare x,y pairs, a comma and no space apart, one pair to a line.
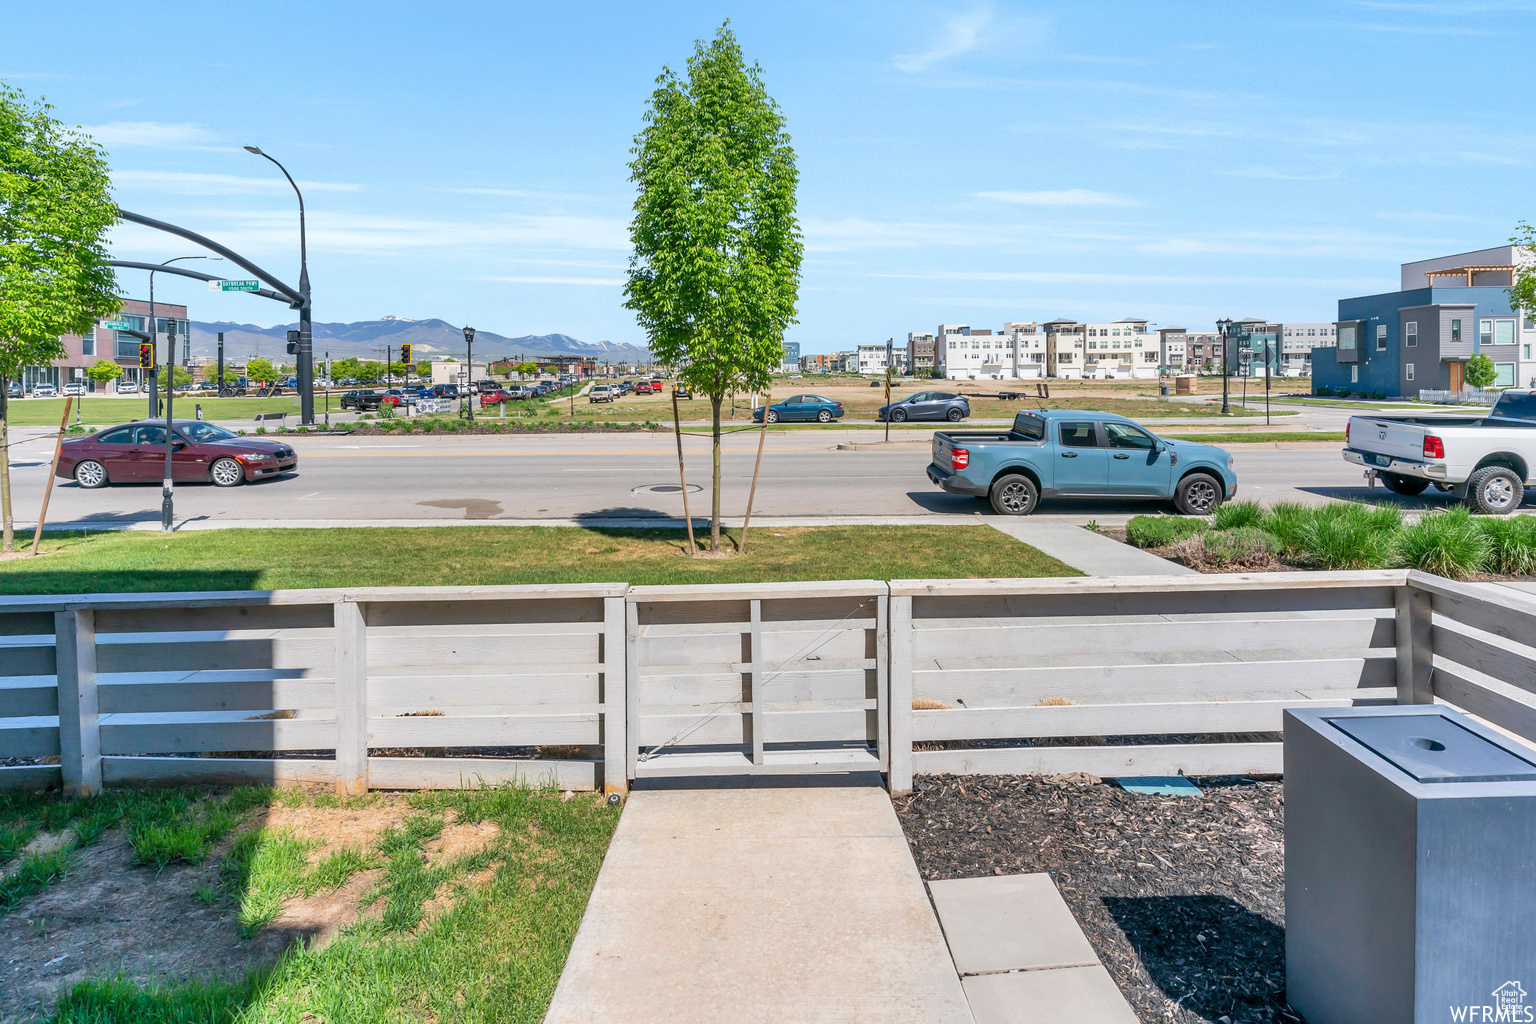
73,563
481,936
1257,437
104,412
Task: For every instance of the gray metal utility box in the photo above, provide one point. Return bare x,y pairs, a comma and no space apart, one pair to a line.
1410,867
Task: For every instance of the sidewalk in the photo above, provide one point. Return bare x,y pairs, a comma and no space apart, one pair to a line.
759,905
1085,550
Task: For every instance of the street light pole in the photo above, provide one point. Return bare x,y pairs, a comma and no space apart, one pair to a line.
469,359
305,357
1266,377
1224,327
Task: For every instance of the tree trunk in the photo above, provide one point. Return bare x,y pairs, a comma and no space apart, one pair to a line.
714,502
8,539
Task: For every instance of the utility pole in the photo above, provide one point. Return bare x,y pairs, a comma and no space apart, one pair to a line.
167,507
305,365
1266,376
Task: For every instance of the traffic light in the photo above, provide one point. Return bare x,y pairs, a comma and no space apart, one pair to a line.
146,355
405,355
293,342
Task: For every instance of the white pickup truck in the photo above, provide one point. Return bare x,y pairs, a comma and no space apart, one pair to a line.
1486,461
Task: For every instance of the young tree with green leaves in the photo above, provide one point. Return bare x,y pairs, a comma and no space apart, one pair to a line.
1480,371
715,271
260,370
180,376
55,208
104,371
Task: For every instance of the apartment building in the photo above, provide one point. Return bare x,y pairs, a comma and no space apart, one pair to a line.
790,361
81,351
1449,309
1296,344
873,358
919,353
821,363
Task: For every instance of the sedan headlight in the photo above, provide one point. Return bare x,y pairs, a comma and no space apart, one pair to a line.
258,456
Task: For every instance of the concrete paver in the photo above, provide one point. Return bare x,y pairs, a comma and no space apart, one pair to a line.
1009,923
1085,550
759,905
1072,995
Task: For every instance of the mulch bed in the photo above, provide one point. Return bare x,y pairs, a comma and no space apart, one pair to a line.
1183,898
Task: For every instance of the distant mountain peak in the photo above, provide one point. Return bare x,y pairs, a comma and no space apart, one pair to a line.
369,339
402,319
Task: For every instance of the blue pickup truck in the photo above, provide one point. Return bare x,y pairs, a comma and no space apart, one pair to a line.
1068,453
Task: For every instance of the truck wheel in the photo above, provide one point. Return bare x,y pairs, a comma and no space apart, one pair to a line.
1496,490
1198,495
1014,495
1405,485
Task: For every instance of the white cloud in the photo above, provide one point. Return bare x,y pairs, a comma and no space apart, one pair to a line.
190,183
1062,197
150,134
961,34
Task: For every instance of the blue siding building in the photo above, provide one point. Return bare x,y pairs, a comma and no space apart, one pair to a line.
1420,338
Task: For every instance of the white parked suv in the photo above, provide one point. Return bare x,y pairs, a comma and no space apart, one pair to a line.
44,391
602,393
1486,461
74,388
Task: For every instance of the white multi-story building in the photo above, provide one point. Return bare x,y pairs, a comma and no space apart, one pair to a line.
873,358
961,352
1296,344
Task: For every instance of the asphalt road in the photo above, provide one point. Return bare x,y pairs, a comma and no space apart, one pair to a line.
617,476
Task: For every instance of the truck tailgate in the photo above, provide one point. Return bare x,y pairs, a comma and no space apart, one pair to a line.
941,453
1387,437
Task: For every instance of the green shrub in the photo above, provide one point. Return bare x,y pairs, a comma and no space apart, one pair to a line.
1238,514
1347,536
1161,531
1287,522
1323,391
1445,543
1511,544
1246,546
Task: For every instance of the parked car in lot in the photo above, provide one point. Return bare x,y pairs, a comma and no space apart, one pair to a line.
44,391
1486,461
363,400
1070,453
75,388
602,393
443,391
644,388
927,405
508,394
682,391
202,452
398,397
801,407
13,389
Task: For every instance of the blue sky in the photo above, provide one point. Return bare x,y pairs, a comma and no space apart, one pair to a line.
969,163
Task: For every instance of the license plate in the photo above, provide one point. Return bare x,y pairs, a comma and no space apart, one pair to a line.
1381,460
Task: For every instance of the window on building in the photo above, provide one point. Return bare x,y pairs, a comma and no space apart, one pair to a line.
1354,373
1505,375
1410,371
1504,332
1287,332
1347,338
1312,332
1485,332
88,343
1527,352
1381,337
1455,333
1411,334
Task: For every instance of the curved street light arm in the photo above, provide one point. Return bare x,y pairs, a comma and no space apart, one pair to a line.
292,296
265,293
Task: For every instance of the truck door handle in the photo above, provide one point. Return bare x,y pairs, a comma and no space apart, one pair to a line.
1122,456
1069,455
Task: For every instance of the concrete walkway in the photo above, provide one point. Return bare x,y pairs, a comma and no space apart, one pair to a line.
759,905
1085,550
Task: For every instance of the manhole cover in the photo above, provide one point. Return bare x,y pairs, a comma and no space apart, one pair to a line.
665,489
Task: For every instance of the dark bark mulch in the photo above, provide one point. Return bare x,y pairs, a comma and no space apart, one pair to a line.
1183,898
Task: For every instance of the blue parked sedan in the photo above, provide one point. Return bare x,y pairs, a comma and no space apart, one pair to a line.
801,407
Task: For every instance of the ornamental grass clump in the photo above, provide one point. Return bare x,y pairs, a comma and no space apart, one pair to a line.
1161,531
1287,521
1237,515
1246,547
1449,544
1348,536
1511,545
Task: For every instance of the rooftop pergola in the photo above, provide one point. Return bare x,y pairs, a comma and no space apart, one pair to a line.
1468,271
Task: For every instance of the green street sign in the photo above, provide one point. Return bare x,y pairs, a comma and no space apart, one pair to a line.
234,286
118,325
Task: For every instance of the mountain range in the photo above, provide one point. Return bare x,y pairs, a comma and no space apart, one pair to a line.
367,340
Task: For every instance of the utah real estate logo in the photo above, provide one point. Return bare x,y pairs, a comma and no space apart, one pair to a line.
1508,1007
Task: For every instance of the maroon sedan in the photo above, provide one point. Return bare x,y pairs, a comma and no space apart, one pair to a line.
135,453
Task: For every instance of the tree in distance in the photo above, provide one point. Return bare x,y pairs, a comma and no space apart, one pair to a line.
261,370
1480,371
715,270
102,371
230,379
55,208
180,376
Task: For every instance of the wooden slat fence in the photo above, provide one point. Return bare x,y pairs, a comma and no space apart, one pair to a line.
590,685
757,678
